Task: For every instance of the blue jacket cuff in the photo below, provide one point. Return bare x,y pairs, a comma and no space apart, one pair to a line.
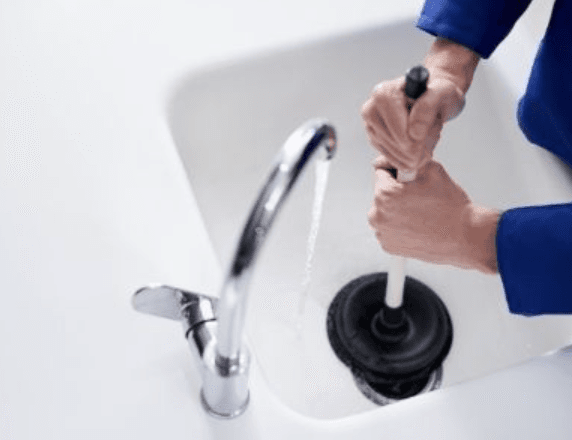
534,255
479,25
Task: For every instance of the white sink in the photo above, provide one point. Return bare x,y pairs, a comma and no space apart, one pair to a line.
229,122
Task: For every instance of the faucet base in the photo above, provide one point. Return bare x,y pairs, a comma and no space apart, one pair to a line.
225,392
224,415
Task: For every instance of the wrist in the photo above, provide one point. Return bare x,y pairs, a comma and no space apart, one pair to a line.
454,61
480,228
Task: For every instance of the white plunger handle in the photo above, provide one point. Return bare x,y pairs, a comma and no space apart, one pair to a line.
415,85
396,273
395,282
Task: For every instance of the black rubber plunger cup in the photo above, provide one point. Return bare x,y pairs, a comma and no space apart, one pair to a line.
392,352
396,358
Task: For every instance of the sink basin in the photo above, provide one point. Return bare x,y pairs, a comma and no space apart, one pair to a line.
228,123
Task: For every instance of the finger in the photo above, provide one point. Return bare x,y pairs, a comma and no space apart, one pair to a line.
391,105
385,115
382,147
401,174
373,217
453,103
387,146
431,141
384,181
381,162
423,115
434,134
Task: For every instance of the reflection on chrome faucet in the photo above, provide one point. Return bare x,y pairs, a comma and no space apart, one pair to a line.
214,328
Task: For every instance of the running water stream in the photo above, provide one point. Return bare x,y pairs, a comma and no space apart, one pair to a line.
322,170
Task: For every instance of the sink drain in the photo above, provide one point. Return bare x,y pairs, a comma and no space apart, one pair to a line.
376,396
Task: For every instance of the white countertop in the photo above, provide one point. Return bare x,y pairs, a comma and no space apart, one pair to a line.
94,203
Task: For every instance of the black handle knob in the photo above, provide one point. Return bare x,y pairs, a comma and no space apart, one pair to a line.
416,81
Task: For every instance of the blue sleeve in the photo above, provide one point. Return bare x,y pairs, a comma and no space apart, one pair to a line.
480,25
534,255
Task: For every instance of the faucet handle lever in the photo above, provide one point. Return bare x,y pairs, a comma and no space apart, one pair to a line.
176,304
225,387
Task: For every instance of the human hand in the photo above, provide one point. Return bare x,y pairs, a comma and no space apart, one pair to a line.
407,138
432,219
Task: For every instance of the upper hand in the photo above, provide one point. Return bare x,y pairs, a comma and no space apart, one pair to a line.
407,139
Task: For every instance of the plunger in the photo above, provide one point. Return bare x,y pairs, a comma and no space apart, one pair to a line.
392,331
415,85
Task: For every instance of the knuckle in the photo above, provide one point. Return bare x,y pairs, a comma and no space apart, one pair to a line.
378,102
372,216
381,88
378,212
375,143
384,214
387,91
375,214
366,109
395,93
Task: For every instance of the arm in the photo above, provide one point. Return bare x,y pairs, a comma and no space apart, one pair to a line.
534,246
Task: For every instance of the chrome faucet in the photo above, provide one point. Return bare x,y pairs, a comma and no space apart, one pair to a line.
214,328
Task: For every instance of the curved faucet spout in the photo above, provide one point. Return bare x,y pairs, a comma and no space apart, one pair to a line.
315,136
214,328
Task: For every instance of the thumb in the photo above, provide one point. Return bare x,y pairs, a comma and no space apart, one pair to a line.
422,116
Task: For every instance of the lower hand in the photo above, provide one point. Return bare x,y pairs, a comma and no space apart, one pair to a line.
432,219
